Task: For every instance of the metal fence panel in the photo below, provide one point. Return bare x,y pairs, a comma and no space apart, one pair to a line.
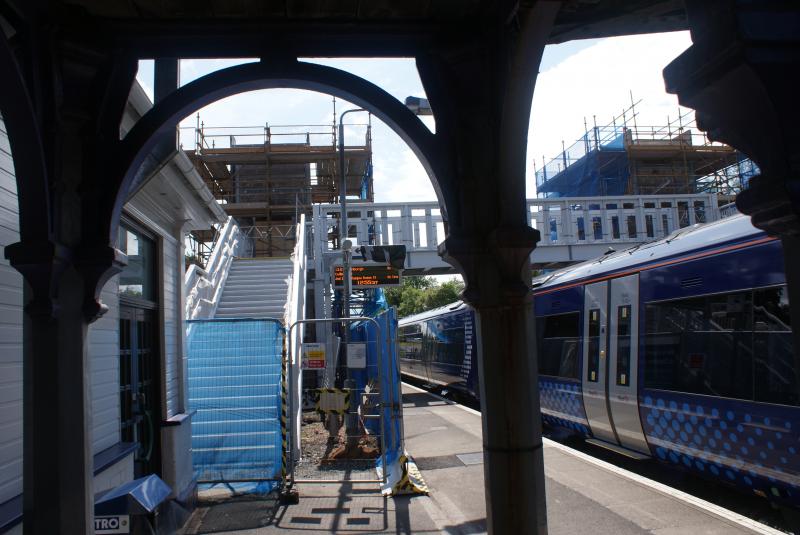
235,387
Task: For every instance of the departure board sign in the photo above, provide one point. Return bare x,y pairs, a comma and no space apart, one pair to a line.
367,276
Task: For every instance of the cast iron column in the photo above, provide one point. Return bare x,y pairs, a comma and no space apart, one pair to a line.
480,86
62,153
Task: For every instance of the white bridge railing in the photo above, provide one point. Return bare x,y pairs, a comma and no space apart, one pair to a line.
203,287
571,221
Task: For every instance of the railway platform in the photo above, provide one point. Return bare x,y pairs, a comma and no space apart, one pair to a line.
584,494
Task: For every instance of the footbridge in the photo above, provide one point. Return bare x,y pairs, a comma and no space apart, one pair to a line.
572,229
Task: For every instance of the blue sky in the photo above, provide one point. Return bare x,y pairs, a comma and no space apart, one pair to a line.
577,80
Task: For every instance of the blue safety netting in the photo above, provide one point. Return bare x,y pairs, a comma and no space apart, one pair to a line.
235,389
384,374
366,182
375,303
600,172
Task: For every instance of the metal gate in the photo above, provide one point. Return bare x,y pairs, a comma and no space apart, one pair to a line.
331,453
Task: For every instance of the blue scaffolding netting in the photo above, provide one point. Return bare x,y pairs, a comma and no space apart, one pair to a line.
382,374
235,387
596,164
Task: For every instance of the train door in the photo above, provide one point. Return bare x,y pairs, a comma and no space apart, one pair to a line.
623,373
595,370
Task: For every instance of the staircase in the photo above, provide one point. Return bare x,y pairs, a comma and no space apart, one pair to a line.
255,288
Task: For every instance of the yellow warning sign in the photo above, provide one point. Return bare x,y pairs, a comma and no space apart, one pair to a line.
313,356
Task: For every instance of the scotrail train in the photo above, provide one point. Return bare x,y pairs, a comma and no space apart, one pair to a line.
678,349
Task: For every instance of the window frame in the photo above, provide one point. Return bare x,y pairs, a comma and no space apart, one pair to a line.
576,339
752,290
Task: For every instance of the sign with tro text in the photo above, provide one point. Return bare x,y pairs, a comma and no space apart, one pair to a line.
367,276
112,524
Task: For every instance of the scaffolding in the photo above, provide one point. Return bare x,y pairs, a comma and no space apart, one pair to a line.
625,158
267,176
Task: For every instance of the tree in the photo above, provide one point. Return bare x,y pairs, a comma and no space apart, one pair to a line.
418,294
442,294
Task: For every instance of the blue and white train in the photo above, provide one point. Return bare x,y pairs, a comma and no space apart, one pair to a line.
679,349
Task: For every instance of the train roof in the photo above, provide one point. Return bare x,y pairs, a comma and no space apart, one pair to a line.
700,236
434,312
682,241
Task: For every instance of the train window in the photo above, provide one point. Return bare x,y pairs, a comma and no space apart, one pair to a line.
557,343
448,341
624,345
409,338
592,369
648,224
701,345
774,374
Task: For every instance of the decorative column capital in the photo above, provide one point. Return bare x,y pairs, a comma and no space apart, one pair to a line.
97,264
735,77
494,266
41,263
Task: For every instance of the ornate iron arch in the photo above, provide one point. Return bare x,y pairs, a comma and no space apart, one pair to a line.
30,163
165,115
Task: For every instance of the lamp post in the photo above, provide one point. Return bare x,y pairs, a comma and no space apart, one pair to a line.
351,421
419,106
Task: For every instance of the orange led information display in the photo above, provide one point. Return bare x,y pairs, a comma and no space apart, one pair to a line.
367,276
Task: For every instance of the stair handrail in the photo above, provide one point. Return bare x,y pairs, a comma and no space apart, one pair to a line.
295,298
203,286
295,311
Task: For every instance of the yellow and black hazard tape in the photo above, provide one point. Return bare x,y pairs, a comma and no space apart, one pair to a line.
411,482
341,391
284,411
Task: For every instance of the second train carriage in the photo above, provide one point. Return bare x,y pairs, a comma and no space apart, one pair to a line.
679,349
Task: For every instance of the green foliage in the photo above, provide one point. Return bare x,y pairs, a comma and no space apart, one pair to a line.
418,294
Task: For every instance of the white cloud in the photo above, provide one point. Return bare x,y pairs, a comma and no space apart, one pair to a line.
597,81
399,175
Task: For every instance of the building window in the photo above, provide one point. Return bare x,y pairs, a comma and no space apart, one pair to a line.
597,228
735,345
557,343
615,227
631,220
139,356
581,229
137,280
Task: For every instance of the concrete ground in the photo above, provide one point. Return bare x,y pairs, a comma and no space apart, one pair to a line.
584,495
